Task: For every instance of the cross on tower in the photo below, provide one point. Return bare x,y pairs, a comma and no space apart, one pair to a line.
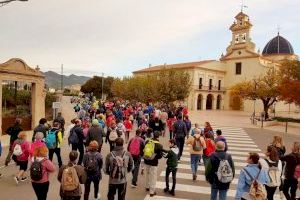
243,5
278,29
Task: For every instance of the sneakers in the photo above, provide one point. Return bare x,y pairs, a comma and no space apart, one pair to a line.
24,179
194,177
178,161
172,192
16,180
98,197
151,195
147,189
166,190
133,185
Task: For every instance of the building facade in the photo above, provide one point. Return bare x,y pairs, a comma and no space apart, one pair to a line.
211,79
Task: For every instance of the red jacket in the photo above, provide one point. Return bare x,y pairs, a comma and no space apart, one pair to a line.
170,123
25,146
128,125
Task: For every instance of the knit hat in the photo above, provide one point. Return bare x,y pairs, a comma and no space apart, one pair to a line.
95,122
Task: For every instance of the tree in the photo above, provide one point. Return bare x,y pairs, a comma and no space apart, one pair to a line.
95,85
290,85
265,88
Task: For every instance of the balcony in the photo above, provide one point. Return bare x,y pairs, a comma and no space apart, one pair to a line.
207,88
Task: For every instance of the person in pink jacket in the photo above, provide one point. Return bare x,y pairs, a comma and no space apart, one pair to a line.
21,150
38,142
41,186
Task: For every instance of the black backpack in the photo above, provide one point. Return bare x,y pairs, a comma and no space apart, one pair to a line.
91,164
36,170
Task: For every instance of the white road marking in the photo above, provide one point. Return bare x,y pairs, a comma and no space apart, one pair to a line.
241,145
161,198
200,168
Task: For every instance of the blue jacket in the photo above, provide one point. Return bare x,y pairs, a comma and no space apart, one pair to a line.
244,182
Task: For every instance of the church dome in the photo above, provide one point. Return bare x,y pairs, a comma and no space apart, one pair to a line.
278,45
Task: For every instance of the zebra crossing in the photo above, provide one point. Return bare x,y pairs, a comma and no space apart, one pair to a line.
239,146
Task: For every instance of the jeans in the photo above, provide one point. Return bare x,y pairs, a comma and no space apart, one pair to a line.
214,194
87,186
80,148
194,162
41,190
173,171
205,159
57,152
171,134
151,177
290,188
135,172
180,144
270,192
112,189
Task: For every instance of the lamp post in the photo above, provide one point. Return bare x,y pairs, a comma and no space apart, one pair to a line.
102,86
3,3
254,103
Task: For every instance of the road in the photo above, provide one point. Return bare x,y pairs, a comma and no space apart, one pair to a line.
241,141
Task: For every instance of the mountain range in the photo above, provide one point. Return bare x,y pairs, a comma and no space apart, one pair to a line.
53,79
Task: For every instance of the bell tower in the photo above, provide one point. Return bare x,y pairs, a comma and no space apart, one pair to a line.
241,40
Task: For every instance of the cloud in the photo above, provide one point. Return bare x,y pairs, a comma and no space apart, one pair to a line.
119,36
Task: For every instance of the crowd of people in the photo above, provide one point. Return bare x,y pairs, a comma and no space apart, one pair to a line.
112,123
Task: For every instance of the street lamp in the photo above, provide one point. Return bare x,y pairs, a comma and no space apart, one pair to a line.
3,3
102,86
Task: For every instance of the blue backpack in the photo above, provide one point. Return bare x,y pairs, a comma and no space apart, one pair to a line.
51,140
73,137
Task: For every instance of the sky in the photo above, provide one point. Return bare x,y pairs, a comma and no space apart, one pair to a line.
117,37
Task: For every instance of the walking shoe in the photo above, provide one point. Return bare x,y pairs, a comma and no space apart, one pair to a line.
147,189
98,197
16,180
24,179
178,161
172,192
133,185
151,195
166,190
1,175
194,177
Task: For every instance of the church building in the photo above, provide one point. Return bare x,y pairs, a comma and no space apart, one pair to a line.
211,79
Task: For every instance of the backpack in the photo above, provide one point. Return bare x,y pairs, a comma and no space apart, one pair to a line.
274,174
113,135
73,137
224,173
149,150
51,139
77,108
69,180
197,146
179,129
118,166
17,150
257,190
36,170
210,148
91,164
134,148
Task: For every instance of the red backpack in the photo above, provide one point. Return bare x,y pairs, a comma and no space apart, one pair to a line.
210,147
134,147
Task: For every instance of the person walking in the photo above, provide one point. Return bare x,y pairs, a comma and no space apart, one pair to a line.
13,131
40,128
54,140
208,130
71,176
209,150
76,139
188,125
290,182
95,132
274,167
197,145
220,172
279,145
92,162
38,142
253,171
152,153
61,122
220,137
111,135
172,162
170,123
135,148
40,180
180,132
21,150
128,125
117,164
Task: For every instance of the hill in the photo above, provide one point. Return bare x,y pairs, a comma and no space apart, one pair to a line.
53,79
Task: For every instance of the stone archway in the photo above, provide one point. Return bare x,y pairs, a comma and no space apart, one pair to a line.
199,102
219,100
209,102
18,71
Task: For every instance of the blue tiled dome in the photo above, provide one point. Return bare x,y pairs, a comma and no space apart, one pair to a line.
278,45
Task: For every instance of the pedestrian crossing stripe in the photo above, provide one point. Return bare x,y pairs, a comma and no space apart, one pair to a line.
200,189
238,137
235,148
200,168
161,198
189,177
240,164
240,142
241,145
243,158
230,152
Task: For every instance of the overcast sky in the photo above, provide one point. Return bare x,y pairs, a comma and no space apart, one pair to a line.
119,36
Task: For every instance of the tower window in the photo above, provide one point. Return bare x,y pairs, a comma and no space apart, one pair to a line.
238,68
210,84
200,83
219,85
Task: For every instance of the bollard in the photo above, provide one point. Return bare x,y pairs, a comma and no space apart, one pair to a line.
286,126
